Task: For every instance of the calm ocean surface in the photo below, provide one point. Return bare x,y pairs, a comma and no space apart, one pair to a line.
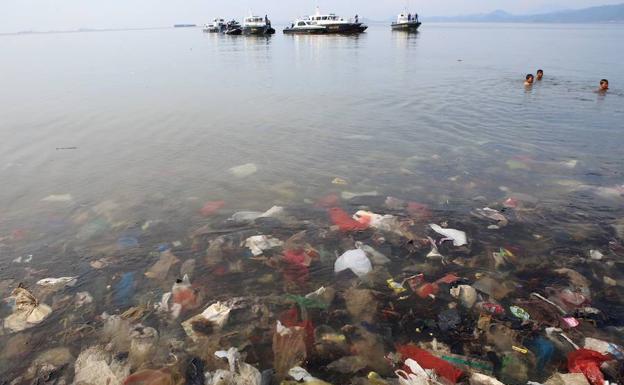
168,112
103,132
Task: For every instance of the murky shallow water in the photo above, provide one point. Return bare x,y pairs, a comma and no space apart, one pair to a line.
113,143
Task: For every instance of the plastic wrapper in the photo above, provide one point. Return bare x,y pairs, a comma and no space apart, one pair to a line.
289,348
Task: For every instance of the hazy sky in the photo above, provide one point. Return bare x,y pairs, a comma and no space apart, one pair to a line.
16,15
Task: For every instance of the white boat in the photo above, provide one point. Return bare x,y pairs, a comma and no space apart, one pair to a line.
218,25
335,23
256,25
406,22
305,26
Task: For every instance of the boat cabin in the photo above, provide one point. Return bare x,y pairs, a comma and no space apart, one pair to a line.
255,21
405,17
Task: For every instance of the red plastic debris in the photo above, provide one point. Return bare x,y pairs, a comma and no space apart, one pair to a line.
427,289
297,257
211,208
449,278
491,308
344,221
429,361
587,362
187,298
415,281
290,319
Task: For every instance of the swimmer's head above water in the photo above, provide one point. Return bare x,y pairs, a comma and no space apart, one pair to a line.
528,80
604,85
539,74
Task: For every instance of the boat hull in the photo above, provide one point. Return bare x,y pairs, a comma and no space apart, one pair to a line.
214,29
349,28
267,30
234,32
305,31
409,26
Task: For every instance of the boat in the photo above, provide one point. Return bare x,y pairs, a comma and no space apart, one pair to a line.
305,26
256,25
406,22
336,24
233,27
218,25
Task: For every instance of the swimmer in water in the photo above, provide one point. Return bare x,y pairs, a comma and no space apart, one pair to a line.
528,80
539,75
604,85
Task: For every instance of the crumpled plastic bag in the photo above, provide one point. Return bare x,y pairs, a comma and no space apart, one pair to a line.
244,170
184,295
94,366
289,348
57,282
300,374
344,222
259,243
417,375
466,295
240,373
457,236
604,347
160,269
142,345
567,379
215,316
482,379
587,362
427,360
493,215
354,260
28,311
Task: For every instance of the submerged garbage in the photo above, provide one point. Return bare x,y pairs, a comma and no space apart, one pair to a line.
373,291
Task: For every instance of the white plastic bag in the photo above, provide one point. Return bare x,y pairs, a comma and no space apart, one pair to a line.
354,260
458,237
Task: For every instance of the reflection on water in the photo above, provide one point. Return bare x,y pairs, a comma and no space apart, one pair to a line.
121,145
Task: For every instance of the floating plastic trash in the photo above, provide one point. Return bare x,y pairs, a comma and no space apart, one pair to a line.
244,170
354,260
458,237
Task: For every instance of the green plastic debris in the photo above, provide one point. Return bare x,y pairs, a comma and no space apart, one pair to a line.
519,313
307,303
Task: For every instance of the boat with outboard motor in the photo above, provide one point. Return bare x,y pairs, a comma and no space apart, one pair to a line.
332,23
306,27
256,25
406,22
218,25
233,28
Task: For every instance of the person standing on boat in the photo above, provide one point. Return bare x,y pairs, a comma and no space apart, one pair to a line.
356,18
416,17
409,17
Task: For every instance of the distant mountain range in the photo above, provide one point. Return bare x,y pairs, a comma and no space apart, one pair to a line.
600,14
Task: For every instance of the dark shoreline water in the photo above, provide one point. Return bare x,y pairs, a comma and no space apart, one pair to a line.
117,147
